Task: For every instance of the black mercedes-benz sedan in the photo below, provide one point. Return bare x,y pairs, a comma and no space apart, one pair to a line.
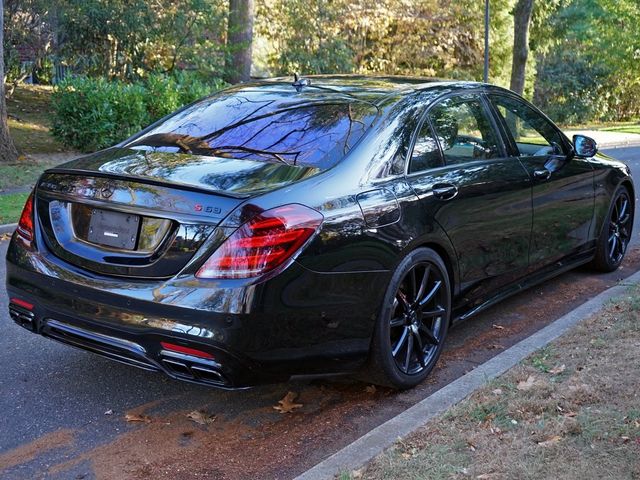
328,225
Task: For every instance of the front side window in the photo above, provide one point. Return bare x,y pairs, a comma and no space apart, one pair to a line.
464,130
532,133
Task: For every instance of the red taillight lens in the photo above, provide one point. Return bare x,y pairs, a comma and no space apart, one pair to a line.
25,225
264,243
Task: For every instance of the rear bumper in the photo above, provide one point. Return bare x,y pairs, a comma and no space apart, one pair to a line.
297,323
143,351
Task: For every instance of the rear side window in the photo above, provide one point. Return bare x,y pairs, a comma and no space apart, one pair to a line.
533,134
464,130
275,127
426,153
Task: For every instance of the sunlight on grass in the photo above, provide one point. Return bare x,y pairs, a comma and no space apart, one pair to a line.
11,207
30,117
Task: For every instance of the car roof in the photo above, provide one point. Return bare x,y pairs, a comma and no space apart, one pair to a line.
370,88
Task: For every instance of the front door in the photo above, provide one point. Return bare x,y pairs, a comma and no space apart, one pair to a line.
563,192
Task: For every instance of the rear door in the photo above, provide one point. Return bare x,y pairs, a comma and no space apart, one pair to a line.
563,190
478,194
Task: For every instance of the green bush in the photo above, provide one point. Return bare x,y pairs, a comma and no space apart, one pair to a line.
90,113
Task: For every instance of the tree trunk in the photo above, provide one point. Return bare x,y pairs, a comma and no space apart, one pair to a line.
240,40
8,152
521,22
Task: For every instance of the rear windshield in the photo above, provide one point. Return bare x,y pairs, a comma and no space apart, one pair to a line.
274,127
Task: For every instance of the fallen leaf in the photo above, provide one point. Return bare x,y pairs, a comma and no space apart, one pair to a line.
134,417
5,236
486,476
497,391
550,441
526,384
286,404
405,455
109,412
557,370
201,417
370,389
471,446
497,327
570,414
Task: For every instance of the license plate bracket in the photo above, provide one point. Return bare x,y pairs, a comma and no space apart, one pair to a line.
114,229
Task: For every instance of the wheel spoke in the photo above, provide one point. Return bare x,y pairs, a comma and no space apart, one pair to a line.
414,285
623,208
613,247
420,349
624,219
431,294
433,313
423,283
403,301
407,358
397,322
401,341
431,338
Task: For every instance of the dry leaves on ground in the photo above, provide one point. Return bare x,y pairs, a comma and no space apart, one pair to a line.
200,417
287,405
550,441
557,370
526,384
5,236
134,417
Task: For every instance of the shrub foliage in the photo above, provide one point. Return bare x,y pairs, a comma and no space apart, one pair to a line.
93,113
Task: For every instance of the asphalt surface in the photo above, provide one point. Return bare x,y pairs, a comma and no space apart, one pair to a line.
54,399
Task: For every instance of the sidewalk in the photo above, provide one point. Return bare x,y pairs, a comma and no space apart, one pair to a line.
608,139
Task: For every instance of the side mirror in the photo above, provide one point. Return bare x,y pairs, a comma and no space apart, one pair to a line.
585,147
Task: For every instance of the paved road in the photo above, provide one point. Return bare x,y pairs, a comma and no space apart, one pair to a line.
54,400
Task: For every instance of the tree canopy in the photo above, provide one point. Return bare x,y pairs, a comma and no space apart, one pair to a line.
584,60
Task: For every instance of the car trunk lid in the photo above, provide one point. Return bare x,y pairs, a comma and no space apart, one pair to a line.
145,215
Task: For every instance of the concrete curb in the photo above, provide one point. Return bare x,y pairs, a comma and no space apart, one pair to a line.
8,228
358,453
614,145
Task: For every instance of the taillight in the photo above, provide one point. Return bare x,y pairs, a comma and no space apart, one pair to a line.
25,225
264,243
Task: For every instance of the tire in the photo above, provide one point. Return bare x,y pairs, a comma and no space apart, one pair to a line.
616,233
413,322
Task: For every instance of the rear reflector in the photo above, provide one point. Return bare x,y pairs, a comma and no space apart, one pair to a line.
22,303
25,225
185,350
264,243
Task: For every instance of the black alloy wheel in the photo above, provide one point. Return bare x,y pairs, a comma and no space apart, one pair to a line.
619,231
413,324
415,329
616,233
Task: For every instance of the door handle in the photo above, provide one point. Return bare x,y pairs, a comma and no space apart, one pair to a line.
444,191
542,174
